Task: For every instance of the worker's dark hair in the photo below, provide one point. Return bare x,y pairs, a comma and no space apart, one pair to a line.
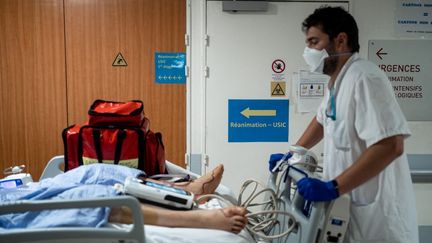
332,21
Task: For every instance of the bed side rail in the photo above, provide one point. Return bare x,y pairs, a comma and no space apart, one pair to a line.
134,234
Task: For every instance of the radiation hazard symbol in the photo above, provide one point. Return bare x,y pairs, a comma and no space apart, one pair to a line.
278,89
119,61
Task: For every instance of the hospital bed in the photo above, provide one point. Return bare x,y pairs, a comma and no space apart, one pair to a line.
314,222
136,232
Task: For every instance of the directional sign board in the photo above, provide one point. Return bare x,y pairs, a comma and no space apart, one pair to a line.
258,120
408,65
170,68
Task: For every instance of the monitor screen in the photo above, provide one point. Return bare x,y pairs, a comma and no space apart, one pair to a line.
12,183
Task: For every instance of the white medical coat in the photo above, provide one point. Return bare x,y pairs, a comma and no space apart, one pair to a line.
383,208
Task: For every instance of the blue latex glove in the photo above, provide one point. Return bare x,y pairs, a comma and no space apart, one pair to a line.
274,158
313,189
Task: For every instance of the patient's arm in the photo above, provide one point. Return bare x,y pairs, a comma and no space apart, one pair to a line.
230,219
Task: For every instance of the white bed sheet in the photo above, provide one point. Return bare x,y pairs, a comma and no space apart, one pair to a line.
159,234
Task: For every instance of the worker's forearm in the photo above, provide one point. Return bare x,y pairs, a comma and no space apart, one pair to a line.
312,135
374,160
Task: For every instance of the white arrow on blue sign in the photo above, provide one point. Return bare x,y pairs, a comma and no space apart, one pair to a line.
170,68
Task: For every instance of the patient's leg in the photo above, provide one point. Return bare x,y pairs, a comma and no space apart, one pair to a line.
230,219
205,184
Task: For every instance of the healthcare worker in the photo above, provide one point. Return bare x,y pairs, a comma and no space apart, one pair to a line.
363,130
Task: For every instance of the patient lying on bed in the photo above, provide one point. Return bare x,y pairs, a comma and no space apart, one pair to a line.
96,181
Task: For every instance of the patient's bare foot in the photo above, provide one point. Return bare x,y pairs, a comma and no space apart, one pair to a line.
232,219
205,184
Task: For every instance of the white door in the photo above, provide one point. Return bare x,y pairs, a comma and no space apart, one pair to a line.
242,48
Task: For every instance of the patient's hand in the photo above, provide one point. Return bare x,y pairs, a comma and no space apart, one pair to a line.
232,219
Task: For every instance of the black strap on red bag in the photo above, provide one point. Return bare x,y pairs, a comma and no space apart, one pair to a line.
96,142
120,138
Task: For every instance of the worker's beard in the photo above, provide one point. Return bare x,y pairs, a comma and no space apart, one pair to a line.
330,64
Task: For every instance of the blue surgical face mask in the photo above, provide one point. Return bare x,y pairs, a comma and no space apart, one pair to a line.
331,105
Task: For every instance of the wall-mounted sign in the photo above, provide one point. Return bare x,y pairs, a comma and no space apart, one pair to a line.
170,68
119,61
278,89
310,88
258,120
278,67
408,65
413,18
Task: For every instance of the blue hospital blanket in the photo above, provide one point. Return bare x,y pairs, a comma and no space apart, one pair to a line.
90,181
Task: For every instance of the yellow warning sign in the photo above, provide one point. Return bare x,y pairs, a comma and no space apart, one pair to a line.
278,88
119,60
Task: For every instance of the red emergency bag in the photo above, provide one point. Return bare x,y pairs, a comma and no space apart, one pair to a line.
116,133
103,112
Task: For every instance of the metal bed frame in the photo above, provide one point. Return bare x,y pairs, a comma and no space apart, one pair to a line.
133,234
74,234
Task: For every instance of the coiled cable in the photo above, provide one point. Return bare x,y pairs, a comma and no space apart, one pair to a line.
261,222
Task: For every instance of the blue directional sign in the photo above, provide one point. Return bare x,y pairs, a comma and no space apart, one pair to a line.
258,120
170,68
